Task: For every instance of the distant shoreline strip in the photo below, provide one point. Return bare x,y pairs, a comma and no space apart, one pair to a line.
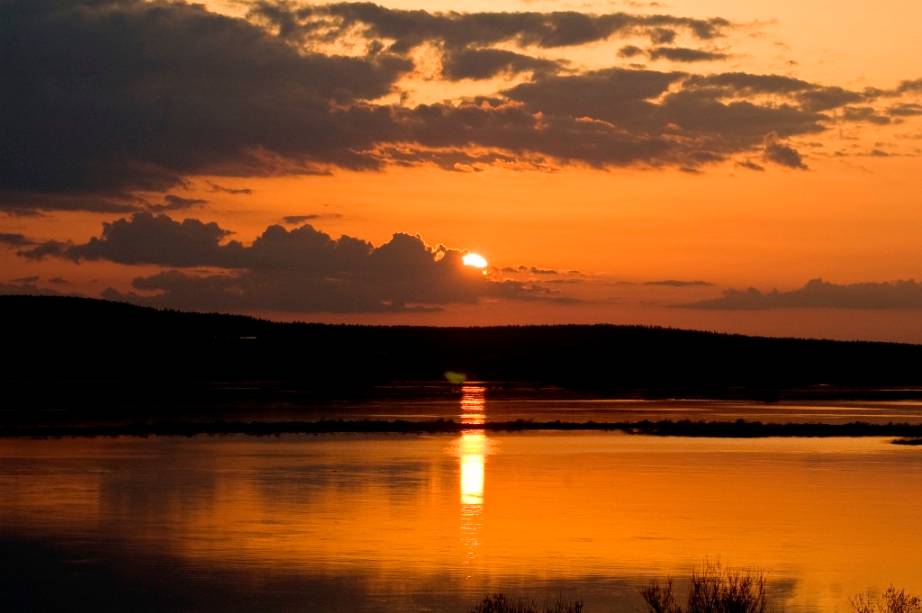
909,434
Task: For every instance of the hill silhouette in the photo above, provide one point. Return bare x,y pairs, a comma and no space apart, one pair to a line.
100,356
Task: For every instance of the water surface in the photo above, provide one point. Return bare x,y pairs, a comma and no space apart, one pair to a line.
431,523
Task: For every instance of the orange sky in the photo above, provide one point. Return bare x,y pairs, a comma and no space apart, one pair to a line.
852,216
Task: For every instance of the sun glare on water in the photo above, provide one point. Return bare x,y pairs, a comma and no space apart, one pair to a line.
474,260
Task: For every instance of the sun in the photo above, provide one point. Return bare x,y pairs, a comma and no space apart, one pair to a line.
474,260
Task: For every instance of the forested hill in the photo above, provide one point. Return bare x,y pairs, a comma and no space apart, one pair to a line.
52,340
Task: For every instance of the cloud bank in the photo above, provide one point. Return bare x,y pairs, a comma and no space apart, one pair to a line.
298,270
818,294
104,99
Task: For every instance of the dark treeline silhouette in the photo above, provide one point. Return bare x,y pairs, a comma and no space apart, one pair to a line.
76,353
718,429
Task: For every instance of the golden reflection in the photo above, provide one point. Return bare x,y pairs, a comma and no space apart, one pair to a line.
473,446
472,451
473,404
565,506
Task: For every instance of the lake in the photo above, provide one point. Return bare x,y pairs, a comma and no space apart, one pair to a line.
433,523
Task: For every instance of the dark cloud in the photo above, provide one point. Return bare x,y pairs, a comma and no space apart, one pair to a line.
825,98
679,283
821,294
864,113
662,36
149,239
486,63
683,54
410,28
14,289
674,54
15,240
19,203
291,220
25,280
614,94
630,51
781,154
301,269
749,164
107,99
910,87
529,269
230,190
905,110
172,202
103,97
811,96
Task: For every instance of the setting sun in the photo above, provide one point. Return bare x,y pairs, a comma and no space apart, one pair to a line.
474,260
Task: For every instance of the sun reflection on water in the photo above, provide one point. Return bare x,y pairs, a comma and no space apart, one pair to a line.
473,404
473,446
472,452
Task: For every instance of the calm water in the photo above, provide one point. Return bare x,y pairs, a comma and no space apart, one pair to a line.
608,410
430,523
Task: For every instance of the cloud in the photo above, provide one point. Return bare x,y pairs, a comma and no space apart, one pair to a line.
104,97
910,86
811,96
864,113
630,51
26,280
298,270
663,36
683,54
529,269
107,99
172,202
649,117
406,29
14,289
905,110
15,240
782,154
679,283
750,165
821,294
230,190
674,54
149,239
291,220
487,63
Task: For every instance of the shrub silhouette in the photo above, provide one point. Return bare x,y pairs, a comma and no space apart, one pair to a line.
891,601
713,589
498,603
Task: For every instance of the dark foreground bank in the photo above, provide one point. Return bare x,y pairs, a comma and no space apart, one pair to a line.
83,357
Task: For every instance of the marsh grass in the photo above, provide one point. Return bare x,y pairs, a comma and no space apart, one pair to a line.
891,601
712,589
498,603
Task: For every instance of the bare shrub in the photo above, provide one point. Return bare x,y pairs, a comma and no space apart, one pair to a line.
498,603
891,601
713,589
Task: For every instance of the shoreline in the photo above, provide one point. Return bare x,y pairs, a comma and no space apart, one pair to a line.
904,433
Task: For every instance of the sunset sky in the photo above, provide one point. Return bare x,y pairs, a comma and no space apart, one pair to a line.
748,166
